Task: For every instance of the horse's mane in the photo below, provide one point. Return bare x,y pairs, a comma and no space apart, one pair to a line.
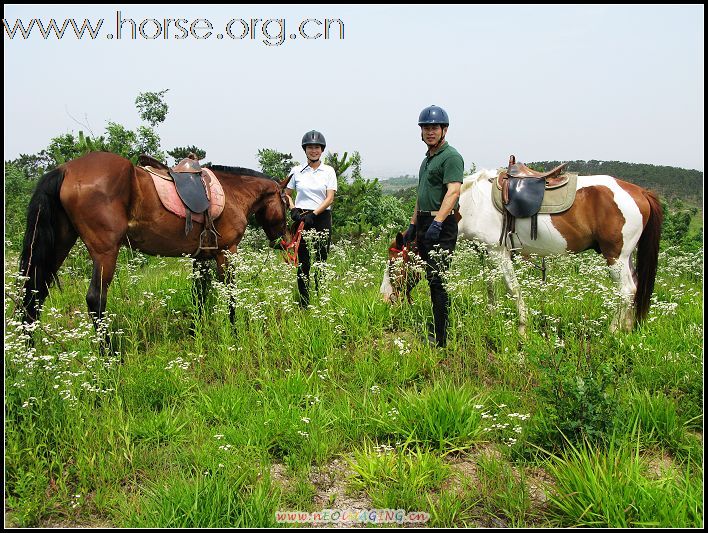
240,171
480,175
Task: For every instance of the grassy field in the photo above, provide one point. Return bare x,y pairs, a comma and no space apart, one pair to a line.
345,407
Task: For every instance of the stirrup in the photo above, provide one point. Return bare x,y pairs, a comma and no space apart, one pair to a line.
510,239
202,238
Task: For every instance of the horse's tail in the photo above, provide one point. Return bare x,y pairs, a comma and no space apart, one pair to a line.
648,256
39,262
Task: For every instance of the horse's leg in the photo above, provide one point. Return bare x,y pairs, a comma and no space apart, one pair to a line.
412,279
104,267
223,276
103,237
622,273
489,280
201,279
65,239
503,257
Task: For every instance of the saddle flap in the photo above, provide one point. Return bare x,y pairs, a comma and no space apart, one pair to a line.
525,196
190,189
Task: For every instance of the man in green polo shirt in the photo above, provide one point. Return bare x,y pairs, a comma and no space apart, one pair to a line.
434,225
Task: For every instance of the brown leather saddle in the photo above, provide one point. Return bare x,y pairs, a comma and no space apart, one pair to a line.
192,185
523,190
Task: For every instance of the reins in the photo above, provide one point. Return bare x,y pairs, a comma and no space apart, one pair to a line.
403,251
291,248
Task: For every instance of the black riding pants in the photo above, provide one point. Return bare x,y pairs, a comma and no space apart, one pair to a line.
437,256
323,225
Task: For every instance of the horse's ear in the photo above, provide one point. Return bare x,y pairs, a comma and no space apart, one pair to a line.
284,183
399,241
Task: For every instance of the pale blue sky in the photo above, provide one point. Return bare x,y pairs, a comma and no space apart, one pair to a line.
543,82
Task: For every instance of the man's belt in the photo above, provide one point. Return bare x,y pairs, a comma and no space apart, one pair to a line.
433,213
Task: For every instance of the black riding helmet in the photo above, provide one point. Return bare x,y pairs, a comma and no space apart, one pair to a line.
314,137
433,115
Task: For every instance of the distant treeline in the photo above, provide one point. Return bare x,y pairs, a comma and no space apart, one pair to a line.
391,185
669,182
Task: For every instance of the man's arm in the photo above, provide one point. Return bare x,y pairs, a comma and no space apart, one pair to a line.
449,201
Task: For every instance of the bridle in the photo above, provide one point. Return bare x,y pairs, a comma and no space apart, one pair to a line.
284,199
290,248
403,252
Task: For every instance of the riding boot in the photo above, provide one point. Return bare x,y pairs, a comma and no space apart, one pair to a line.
303,283
440,301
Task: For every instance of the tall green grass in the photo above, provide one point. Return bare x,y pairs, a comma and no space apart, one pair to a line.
185,426
612,487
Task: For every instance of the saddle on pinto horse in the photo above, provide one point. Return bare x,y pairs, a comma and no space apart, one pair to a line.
522,191
192,184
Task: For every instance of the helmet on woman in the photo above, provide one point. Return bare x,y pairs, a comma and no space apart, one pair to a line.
314,137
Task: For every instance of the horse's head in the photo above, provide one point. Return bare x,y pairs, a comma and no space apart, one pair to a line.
272,215
402,271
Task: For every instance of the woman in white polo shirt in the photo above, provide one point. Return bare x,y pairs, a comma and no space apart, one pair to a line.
315,184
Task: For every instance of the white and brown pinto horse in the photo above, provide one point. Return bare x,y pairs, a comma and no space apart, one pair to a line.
608,215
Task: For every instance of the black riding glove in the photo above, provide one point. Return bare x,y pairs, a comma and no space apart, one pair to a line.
296,214
433,233
409,235
309,219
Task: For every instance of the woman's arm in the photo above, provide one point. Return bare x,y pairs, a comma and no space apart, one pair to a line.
329,200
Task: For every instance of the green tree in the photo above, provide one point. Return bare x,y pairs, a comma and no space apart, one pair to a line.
18,189
360,204
340,166
677,220
66,147
148,142
408,198
275,164
152,108
180,152
356,165
33,165
117,139
121,140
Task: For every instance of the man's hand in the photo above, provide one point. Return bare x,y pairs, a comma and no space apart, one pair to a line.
296,214
433,233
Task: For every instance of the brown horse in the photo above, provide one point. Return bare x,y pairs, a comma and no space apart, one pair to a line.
108,202
610,216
